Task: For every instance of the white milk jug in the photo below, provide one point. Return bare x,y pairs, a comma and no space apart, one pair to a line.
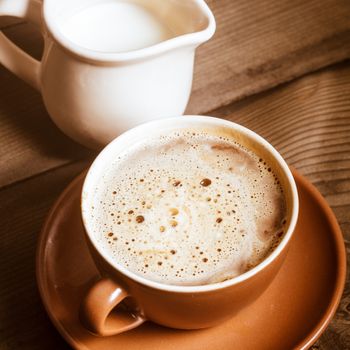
109,65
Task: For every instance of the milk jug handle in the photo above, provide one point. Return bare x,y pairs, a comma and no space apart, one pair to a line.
11,56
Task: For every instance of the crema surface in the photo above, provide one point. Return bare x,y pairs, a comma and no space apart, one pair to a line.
189,208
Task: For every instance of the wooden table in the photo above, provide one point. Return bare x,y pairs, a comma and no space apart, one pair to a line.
259,46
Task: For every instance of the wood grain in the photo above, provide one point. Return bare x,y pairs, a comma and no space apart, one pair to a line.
258,44
23,321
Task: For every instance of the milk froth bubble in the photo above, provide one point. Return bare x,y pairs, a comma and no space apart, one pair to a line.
188,208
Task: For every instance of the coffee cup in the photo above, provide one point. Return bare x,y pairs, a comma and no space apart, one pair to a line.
109,65
194,296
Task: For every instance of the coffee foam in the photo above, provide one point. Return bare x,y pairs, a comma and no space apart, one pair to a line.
189,208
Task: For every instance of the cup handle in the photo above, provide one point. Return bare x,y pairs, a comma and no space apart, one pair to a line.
96,310
11,56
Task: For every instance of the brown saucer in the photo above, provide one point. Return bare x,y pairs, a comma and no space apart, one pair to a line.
291,314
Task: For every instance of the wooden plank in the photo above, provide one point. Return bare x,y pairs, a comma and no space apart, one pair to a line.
257,45
23,320
260,44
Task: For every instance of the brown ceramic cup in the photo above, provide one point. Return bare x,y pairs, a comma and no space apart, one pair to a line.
122,300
